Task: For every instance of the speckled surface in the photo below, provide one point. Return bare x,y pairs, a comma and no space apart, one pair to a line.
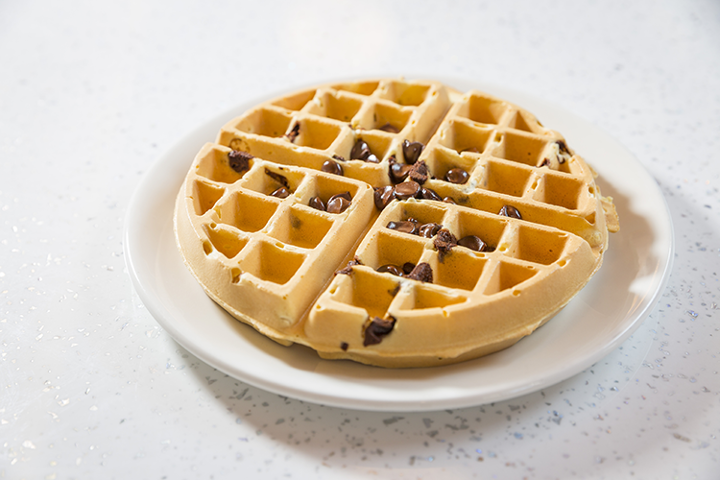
91,94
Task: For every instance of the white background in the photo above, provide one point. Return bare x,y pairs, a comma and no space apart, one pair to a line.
91,93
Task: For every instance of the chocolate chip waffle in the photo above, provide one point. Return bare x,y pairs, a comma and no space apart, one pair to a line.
391,222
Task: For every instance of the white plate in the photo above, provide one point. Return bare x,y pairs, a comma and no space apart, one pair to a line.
602,316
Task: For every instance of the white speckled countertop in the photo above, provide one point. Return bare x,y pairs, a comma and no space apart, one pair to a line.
91,93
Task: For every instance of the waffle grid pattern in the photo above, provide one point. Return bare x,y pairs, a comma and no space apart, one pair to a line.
465,275
283,252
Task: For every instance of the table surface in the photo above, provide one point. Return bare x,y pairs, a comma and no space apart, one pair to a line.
91,93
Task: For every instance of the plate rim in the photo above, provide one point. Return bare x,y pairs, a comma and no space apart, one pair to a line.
663,227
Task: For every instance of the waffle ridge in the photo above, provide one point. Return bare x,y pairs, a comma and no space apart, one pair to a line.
249,227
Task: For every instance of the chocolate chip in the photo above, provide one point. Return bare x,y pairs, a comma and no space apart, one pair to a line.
338,158
565,153
411,151
239,160
333,167
398,172
445,239
348,268
422,273
429,230
473,243
317,203
293,133
282,192
389,128
403,226
344,346
408,267
419,172
444,242
376,329
383,196
563,147
278,178
346,195
457,175
339,203
449,200
389,268
429,194
510,211
361,151
406,190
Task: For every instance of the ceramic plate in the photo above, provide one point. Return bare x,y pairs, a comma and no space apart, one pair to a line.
597,320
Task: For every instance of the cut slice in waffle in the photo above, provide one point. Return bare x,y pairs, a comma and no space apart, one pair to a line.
396,223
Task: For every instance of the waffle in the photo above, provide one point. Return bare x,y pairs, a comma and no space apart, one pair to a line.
395,223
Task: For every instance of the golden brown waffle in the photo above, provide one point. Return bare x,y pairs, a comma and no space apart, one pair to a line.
396,223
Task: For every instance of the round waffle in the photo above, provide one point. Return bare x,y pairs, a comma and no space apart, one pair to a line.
392,222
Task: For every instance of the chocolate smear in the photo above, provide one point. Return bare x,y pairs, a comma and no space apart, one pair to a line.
331,166
545,163
411,151
344,346
444,242
374,330
422,273
338,158
510,211
239,160
419,172
449,200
